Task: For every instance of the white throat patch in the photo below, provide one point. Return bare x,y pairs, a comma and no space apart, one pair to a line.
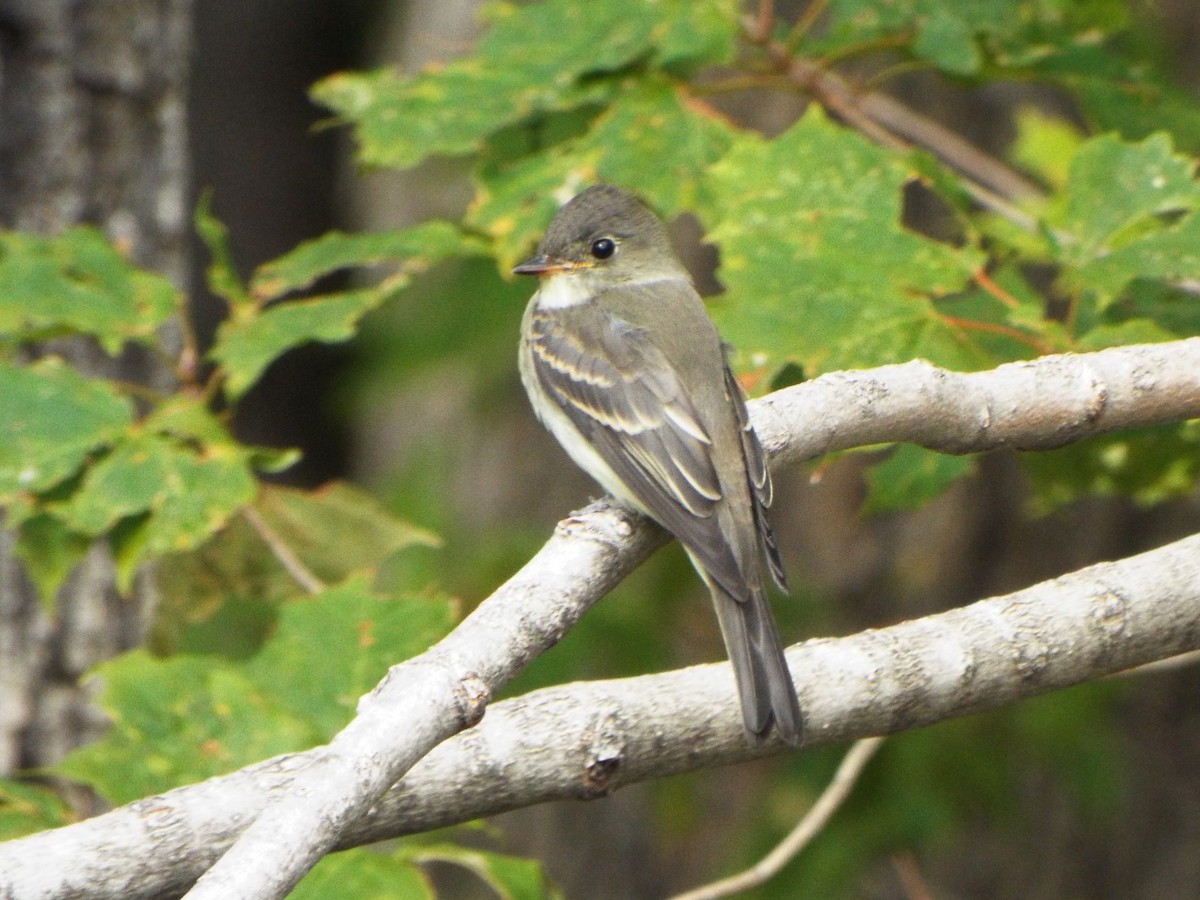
563,290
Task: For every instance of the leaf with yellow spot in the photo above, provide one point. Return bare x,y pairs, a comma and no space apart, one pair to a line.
580,52
819,268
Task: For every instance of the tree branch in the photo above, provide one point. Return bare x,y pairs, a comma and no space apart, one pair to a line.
585,739
890,123
1039,404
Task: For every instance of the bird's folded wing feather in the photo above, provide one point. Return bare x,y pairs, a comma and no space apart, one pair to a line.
760,480
624,396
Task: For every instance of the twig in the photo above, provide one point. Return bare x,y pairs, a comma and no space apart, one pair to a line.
282,552
911,882
806,21
1170,664
813,822
887,121
890,123
765,19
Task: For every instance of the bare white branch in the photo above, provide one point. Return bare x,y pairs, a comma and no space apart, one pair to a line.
1037,404
425,700
585,739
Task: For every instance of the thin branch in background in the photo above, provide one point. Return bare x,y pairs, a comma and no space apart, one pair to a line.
911,882
809,827
1170,664
806,21
949,146
766,18
862,48
895,71
282,552
993,184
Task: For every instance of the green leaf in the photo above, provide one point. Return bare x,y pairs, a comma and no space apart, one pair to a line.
413,248
818,267
911,477
187,417
1150,465
183,719
334,532
190,493
512,878
222,596
1008,319
246,346
164,496
1171,307
237,579
27,808
272,460
50,552
338,529
662,121
356,636
202,490
53,418
1116,192
1045,145
957,36
1131,216
1114,93
1170,253
177,721
1131,331
223,278
450,110
364,875
948,42
77,283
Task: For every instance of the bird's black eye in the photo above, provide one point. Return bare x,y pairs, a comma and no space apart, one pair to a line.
603,248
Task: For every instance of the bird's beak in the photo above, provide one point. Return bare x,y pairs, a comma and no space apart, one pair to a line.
545,265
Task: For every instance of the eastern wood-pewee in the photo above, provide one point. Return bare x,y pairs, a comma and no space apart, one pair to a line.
623,365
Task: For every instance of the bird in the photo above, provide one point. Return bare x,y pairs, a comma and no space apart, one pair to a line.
626,369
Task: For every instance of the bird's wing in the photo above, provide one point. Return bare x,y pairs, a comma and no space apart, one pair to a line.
627,400
760,480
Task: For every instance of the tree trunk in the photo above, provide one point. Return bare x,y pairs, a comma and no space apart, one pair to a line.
92,130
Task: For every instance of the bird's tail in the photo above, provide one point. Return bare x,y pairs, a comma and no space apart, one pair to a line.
764,683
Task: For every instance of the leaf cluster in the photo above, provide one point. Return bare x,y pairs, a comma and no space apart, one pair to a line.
820,266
